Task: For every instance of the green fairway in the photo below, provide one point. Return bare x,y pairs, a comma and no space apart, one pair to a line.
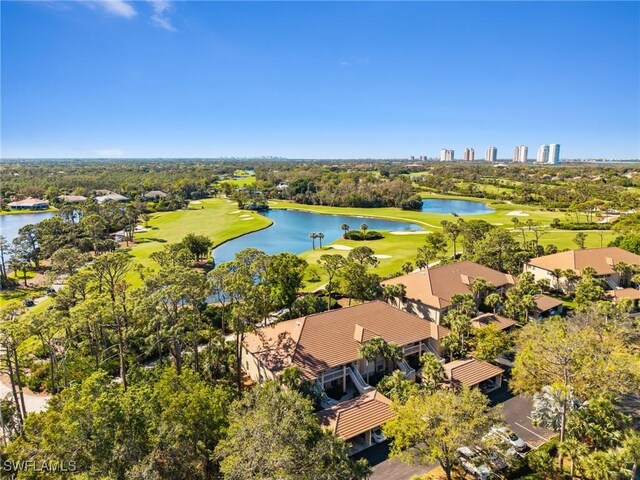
403,248
216,218
243,181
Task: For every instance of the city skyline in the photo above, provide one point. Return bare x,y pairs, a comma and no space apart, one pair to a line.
309,80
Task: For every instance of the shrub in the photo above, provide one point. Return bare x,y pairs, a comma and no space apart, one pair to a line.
358,236
414,202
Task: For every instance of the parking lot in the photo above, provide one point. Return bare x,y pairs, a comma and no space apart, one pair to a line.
517,411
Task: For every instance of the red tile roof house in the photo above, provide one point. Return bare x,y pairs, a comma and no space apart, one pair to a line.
602,260
429,291
325,346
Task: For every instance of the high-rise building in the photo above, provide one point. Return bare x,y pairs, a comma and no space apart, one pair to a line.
491,155
446,155
554,153
543,154
469,154
520,154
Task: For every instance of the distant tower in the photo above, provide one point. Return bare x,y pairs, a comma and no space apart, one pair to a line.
554,153
543,154
446,155
469,154
491,155
520,154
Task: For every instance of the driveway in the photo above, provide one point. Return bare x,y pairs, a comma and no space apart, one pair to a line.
385,468
517,413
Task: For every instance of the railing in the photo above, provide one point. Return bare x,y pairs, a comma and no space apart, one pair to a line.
409,372
612,283
411,349
325,400
332,375
428,347
358,381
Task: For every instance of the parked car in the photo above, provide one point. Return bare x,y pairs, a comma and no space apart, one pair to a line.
51,292
27,302
377,435
508,436
473,464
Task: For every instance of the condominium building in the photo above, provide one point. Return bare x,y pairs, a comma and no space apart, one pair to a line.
469,154
543,154
520,154
446,155
554,153
491,155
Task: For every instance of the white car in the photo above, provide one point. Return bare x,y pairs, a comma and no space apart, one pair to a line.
508,436
472,463
377,436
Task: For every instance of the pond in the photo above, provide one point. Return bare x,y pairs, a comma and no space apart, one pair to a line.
10,224
291,228
459,207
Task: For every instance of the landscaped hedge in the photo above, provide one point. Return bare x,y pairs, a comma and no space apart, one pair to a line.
358,235
581,226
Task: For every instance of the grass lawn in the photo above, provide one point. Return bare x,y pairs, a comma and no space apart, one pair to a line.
19,294
217,218
241,182
20,212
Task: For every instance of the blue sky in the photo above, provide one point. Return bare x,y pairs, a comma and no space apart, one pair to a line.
318,80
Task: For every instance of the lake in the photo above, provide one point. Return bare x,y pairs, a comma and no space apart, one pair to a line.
459,207
291,228
10,224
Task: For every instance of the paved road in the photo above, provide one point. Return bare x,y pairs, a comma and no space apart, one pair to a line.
385,468
32,402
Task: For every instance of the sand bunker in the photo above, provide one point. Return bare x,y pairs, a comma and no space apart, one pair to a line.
410,232
341,247
234,212
517,213
497,224
196,202
245,219
245,216
382,256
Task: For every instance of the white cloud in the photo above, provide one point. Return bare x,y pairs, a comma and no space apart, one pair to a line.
108,152
160,17
119,8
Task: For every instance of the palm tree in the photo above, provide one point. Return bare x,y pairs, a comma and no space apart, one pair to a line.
480,289
364,227
371,350
377,347
432,372
574,450
557,275
313,237
320,236
493,301
345,228
407,267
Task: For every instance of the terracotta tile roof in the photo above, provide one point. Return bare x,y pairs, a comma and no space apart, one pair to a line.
28,202
353,417
470,371
324,340
72,198
621,293
435,286
601,259
502,323
545,303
